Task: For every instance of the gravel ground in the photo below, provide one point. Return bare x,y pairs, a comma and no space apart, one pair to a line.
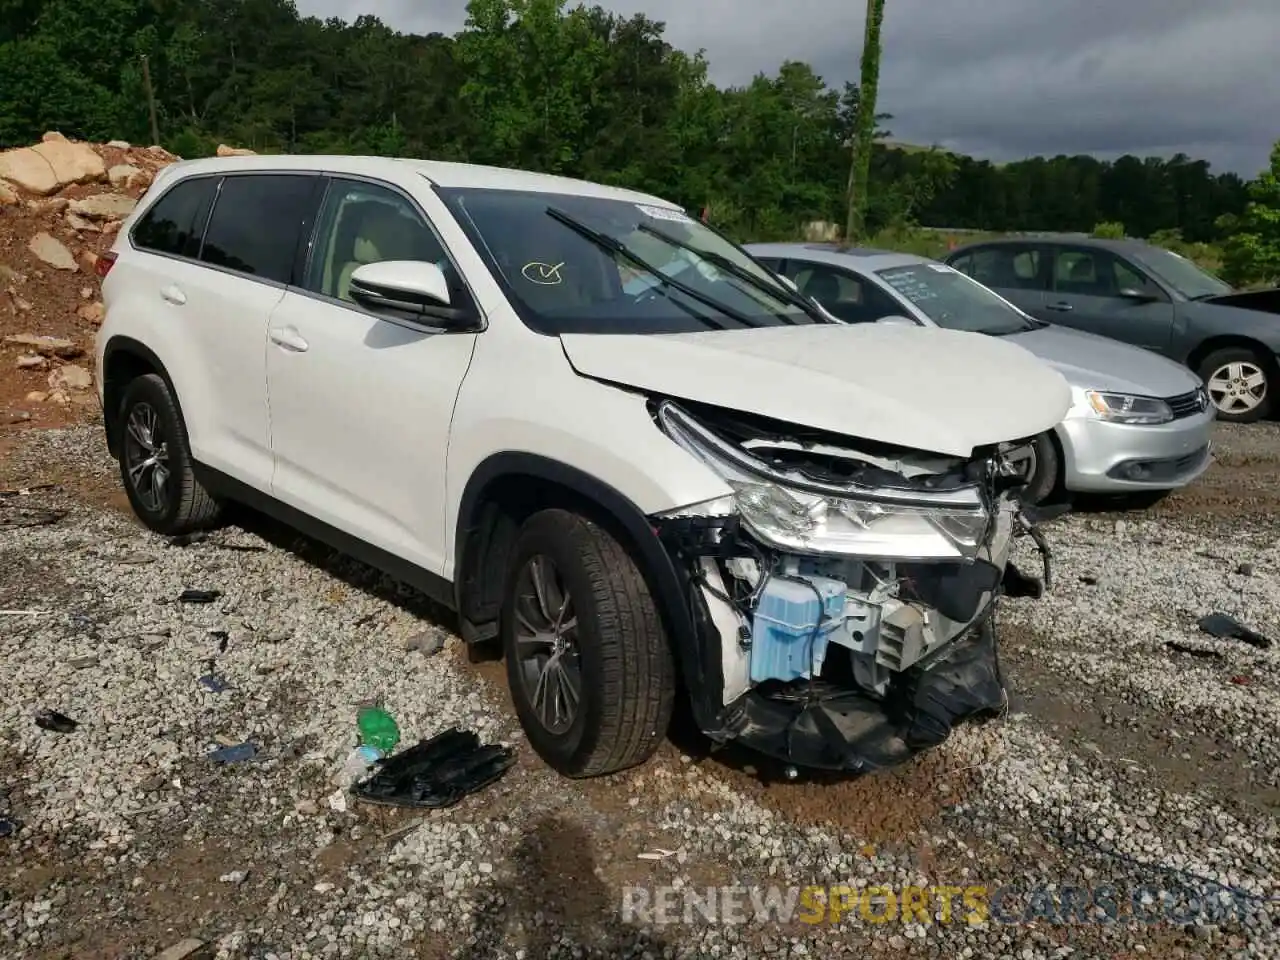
1120,762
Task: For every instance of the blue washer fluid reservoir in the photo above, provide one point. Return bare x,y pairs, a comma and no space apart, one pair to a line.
792,626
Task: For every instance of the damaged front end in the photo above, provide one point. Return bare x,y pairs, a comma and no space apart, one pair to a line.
844,597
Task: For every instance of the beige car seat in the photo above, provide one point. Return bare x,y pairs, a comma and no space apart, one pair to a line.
381,234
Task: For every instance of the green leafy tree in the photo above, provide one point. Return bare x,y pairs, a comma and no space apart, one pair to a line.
1252,253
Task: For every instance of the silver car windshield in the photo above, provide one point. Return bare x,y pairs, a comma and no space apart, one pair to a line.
952,300
1180,273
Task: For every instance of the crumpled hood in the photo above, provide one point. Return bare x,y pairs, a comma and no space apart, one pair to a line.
1097,363
939,391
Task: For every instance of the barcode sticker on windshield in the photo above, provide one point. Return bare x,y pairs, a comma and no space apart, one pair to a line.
664,213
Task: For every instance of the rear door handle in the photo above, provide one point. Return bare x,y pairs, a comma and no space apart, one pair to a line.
1061,306
173,294
289,339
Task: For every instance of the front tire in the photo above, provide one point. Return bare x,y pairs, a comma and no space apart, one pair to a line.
1043,471
1241,384
156,464
588,659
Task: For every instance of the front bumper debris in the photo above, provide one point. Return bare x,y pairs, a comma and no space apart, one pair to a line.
837,660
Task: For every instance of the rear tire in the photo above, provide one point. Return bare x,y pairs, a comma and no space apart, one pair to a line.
610,632
155,461
1230,375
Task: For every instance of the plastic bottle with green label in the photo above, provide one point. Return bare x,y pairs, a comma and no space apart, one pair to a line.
378,729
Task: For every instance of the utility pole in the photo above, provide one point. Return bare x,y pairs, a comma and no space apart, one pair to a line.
151,101
865,127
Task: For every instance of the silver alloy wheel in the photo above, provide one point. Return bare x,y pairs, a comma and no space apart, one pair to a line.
146,457
546,644
1238,387
1024,461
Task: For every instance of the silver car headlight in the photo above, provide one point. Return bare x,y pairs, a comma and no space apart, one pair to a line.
1127,408
798,516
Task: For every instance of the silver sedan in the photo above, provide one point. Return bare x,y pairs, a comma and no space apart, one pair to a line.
1139,423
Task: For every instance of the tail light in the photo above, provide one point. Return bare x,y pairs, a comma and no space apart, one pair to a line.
102,266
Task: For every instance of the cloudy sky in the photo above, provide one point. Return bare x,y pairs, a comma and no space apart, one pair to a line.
1001,79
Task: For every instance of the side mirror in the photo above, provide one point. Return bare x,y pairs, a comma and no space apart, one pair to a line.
413,288
895,319
1140,296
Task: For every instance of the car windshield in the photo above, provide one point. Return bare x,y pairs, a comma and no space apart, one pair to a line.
576,264
952,300
1180,273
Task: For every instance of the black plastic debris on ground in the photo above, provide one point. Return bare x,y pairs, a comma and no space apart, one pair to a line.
223,639
199,596
235,754
1228,628
213,683
1177,647
8,827
56,722
437,772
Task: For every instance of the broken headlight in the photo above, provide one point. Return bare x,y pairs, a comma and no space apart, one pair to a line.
799,516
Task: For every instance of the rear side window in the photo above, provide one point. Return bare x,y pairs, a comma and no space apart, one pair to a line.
175,222
256,223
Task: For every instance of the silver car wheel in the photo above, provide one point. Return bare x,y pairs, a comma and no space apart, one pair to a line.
1024,461
546,641
146,455
1238,387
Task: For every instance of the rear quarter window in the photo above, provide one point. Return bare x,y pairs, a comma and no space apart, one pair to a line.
174,224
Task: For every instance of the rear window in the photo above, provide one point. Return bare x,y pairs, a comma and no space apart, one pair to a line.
175,222
256,223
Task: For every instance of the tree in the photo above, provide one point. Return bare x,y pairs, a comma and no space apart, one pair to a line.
1252,254
860,164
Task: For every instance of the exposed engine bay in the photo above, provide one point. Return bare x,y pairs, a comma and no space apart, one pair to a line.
850,588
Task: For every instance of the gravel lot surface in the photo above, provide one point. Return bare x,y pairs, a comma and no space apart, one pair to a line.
1121,761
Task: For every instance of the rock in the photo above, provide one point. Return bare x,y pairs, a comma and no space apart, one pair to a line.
79,223
428,643
104,206
51,205
29,361
181,950
93,313
110,227
51,165
1245,570
21,305
235,876
59,398
86,293
35,396
118,144
89,260
8,196
225,151
10,275
22,416
70,377
123,174
53,136
49,250
47,346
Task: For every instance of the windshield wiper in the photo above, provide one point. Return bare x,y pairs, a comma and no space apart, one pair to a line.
615,246
777,291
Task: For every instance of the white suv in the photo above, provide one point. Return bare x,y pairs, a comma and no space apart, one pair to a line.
619,448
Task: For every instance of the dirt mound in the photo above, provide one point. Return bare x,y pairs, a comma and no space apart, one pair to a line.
61,205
